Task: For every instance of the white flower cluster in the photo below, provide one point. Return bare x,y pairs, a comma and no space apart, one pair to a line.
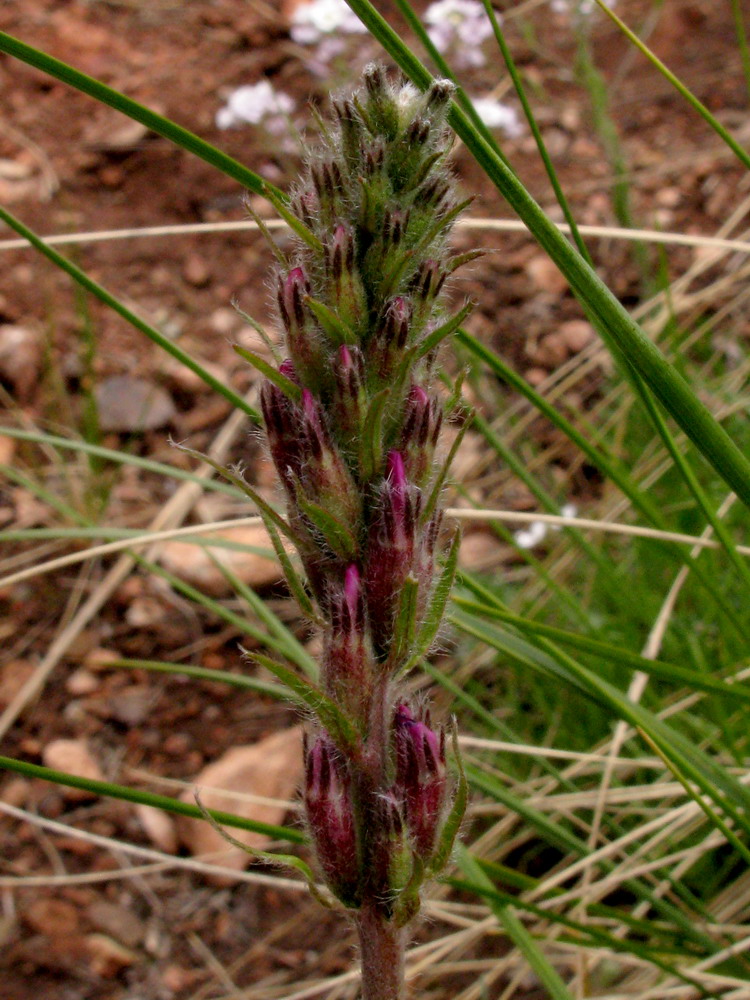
583,7
494,114
536,532
256,103
459,27
311,21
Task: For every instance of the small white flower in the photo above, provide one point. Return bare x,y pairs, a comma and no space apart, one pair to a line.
250,104
497,115
579,6
310,21
531,536
567,510
461,25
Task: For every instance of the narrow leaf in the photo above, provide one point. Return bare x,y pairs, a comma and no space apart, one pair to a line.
101,293
337,535
342,730
286,385
371,437
405,624
335,328
444,330
433,619
147,798
453,821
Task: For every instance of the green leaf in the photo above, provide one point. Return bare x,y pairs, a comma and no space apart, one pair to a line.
432,340
371,436
81,278
433,619
156,123
278,201
452,823
437,488
148,798
341,729
293,579
289,388
405,624
338,537
238,480
335,328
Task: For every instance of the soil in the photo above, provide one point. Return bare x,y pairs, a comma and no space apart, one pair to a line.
70,165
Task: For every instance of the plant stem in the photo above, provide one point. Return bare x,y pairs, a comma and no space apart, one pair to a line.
382,955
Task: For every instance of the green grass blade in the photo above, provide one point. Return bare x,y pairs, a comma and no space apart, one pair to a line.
289,645
121,457
156,123
117,306
667,384
302,659
585,934
515,930
535,130
148,799
202,674
680,87
720,784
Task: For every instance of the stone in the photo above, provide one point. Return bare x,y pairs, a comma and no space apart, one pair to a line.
195,271
193,563
51,917
131,405
117,921
270,769
576,333
20,359
107,957
100,659
551,351
81,682
545,275
158,827
13,675
75,757
481,551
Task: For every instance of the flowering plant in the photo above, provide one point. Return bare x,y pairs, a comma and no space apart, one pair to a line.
352,427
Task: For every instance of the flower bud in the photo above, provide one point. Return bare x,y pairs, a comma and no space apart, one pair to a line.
329,186
425,287
349,398
330,817
392,855
325,476
351,127
282,420
391,549
421,778
347,653
389,343
347,295
301,337
423,417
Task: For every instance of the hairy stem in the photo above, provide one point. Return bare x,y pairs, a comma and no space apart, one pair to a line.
382,954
